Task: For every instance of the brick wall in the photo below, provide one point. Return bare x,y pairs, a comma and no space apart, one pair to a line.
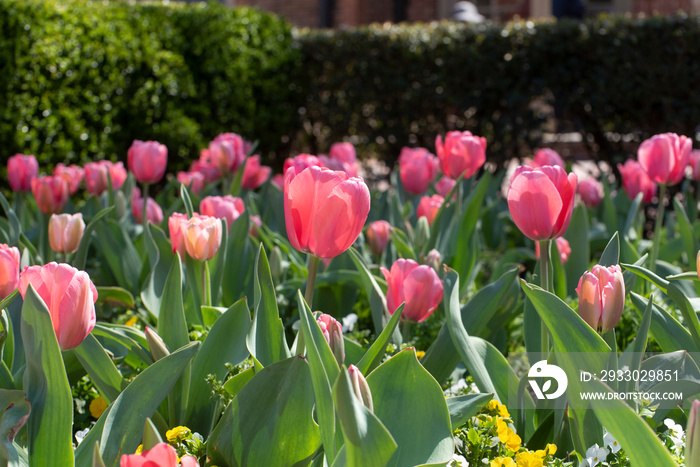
665,7
304,13
421,10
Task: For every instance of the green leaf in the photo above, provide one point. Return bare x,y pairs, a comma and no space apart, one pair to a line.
270,421
238,179
686,231
218,276
225,343
50,426
186,200
667,331
15,226
14,411
81,254
120,428
611,254
115,246
266,340
151,436
462,408
100,367
239,265
403,247
423,433
632,356
375,353
115,296
460,242
234,385
628,232
160,257
646,274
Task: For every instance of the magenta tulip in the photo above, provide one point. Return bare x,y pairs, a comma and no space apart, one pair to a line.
206,166
462,153
417,285
664,157
9,269
635,180
378,235
429,206
417,168
222,207
161,455
601,295
254,173
591,192
50,193
324,210
65,232
147,160
21,170
73,174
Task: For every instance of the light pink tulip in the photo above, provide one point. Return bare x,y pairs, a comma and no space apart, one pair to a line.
206,166
69,295
417,168
360,387
541,201
147,160
194,181
462,152
418,286
177,233
378,235
429,206
202,237
65,232
254,173
72,173
9,269
50,193
96,173
591,192
154,213
324,210
664,157
333,333
546,156
635,180
562,246
222,207
601,295
227,152
21,170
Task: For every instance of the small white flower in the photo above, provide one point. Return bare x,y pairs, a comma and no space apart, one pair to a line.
611,442
80,435
459,385
458,461
595,455
675,428
349,322
485,461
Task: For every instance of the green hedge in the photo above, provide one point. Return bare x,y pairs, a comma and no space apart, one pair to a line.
81,80
391,85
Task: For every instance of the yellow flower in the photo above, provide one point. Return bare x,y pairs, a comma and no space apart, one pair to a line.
513,442
551,449
132,321
98,406
495,406
503,462
528,459
177,434
507,436
420,354
139,449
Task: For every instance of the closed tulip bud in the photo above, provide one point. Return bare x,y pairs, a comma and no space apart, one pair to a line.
601,295
21,170
276,264
254,174
422,235
635,180
222,207
462,153
202,237
333,333
50,193
417,285
429,206
417,168
147,160
70,296
591,192
65,232
9,269
156,345
541,201
434,260
324,210
664,157
227,152
154,213
360,387
378,235
73,174
692,436
194,181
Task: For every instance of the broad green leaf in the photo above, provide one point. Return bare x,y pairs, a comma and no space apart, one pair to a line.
628,232
611,254
14,411
644,273
50,425
632,356
116,247
124,345
375,353
686,232
234,385
266,340
680,376
238,179
15,226
104,375
460,242
120,428
270,421
225,343
151,436
402,245
462,408
423,433
667,331
186,200
353,352
690,317
240,263
217,276
115,296
81,254
160,258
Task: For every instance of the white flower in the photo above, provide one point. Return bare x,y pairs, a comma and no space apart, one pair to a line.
459,385
675,428
458,461
349,322
80,435
595,455
611,442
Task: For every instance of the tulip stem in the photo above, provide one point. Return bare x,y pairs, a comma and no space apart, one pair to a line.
206,285
545,283
657,228
144,213
311,281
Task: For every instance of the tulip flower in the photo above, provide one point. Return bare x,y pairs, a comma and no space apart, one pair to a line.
378,234
255,224
161,455
70,296
65,232
462,153
154,213
692,436
433,259
222,207
664,157
635,180
50,193
546,156
601,295
21,170
278,181
177,233
194,181
96,173
444,187
301,162
333,333
694,163
206,166
429,206
9,269
73,174
227,152
562,246
360,387
344,152
254,174
417,285
541,201
147,160
591,192
417,168
202,237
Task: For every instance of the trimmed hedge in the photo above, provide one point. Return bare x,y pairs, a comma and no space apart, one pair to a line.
81,80
391,85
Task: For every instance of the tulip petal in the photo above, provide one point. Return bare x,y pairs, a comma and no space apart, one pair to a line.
534,204
589,303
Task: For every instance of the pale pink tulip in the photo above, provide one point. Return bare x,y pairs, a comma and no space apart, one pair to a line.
65,232
601,295
378,235
222,207
73,174
202,237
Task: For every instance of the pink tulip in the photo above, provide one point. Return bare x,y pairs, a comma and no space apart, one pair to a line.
601,295
73,174
227,152
562,246
444,186
342,157
21,170
360,387
96,173
69,295
222,207
418,286
278,181
546,156
255,224
301,162
378,235
194,181
177,233
206,167
695,165
541,201
254,173
50,193
65,232
9,270
461,153
147,160
429,206
202,237
664,157
591,192
324,210
333,333
417,168
154,213
161,455
635,180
